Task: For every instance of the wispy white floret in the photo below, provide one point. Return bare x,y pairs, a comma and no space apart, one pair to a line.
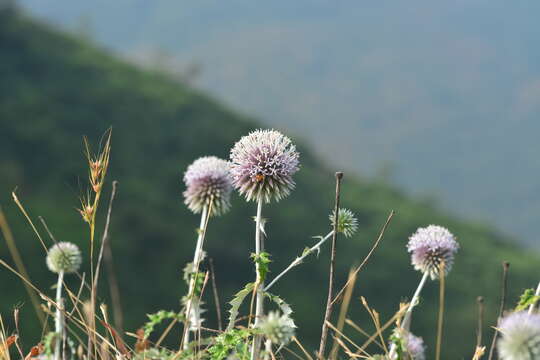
520,337
347,222
431,246
64,257
415,347
208,181
279,329
262,165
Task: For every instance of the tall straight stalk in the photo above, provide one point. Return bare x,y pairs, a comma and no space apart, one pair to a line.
58,320
329,303
414,301
196,262
259,303
441,312
406,323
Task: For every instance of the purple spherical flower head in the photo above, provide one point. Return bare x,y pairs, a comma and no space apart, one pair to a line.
431,246
208,181
415,347
412,346
520,338
262,165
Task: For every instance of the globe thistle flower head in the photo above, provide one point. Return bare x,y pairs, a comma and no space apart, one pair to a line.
347,224
520,338
279,329
262,165
208,181
64,257
412,346
415,347
430,247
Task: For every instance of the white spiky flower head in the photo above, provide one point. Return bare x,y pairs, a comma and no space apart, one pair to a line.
64,257
262,165
520,339
430,247
347,224
279,329
208,181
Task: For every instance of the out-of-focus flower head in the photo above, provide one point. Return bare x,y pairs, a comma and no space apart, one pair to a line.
430,247
208,181
64,257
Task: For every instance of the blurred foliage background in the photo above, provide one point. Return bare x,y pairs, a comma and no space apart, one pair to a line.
55,88
440,98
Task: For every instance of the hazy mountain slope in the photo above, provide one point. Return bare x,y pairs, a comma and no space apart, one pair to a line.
55,88
444,94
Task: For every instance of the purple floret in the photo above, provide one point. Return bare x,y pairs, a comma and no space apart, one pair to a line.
208,180
262,165
429,247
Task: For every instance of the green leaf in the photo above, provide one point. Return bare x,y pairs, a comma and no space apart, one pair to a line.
156,318
283,306
236,302
527,299
396,339
235,341
263,260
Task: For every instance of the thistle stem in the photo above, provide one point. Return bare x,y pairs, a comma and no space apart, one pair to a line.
58,321
299,259
414,301
504,288
536,293
259,303
406,324
329,303
441,312
197,257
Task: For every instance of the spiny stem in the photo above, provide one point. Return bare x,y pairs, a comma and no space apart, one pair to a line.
58,321
536,293
299,259
504,285
329,303
259,284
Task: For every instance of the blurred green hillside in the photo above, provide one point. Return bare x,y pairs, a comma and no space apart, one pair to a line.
447,93
55,88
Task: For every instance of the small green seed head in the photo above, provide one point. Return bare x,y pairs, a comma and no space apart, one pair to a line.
347,223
